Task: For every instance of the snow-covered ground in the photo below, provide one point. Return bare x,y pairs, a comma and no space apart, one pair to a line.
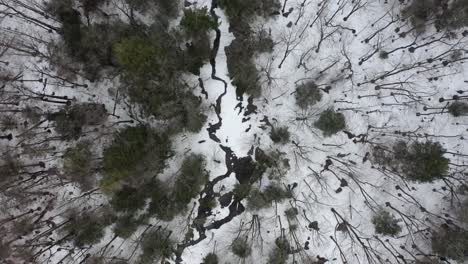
314,42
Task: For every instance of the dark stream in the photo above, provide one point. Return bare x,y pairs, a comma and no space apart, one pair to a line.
241,167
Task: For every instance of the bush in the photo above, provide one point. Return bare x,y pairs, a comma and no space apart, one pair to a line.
192,119
126,225
152,66
90,45
139,57
280,253
428,260
162,204
134,153
291,213
191,178
128,199
241,191
280,135
78,165
156,245
210,258
71,120
262,199
241,248
70,19
307,94
86,228
385,223
242,70
458,109
330,122
450,17
198,20
195,24
450,242
421,161
245,9
425,162
168,8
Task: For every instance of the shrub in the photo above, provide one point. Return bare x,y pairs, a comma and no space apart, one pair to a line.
291,213
241,191
210,258
138,56
242,70
262,199
192,119
168,8
96,47
90,45
78,165
275,192
86,228
71,23
197,20
280,253
274,164
128,199
245,9
385,223
191,178
280,135
425,162
156,245
458,109
90,6
419,12
134,153
330,122
241,248
307,94
421,161
126,225
446,16
263,42
162,204
71,120
451,242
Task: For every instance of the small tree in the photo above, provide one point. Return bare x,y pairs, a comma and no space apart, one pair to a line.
86,228
307,94
241,191
71,120
425,162
128,199
210,258
280,135
330,122
385,223
190,180
245,9
126,225
450,242
138,56
262,199
197,20
241,248
78,165
458,109
162,204
134,153
156,245
280,253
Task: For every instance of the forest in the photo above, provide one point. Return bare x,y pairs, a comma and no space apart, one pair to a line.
233,131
